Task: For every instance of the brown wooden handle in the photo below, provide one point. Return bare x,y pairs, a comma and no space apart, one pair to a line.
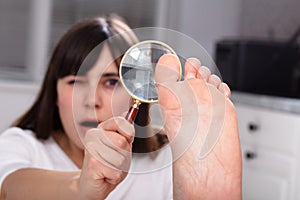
132,114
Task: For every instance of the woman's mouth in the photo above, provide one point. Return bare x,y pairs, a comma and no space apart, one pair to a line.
90,124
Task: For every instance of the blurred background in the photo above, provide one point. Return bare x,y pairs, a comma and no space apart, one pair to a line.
255,45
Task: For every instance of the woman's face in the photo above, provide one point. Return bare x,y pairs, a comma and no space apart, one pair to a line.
85,101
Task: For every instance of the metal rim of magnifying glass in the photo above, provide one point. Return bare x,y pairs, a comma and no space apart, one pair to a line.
136,98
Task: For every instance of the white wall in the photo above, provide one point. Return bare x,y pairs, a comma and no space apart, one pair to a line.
270,19
205,21
15,98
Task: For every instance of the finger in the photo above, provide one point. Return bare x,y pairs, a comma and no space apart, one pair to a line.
109,156
224,88
167,69
102,169
104,148
214,80
113,140
115,177
124,114
191,68
121,126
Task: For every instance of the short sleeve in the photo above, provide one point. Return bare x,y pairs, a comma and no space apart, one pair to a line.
16,150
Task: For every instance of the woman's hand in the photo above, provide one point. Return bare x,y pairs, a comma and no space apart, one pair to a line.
201,124
107,158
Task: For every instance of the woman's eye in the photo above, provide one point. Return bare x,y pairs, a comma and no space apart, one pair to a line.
111,82
75,81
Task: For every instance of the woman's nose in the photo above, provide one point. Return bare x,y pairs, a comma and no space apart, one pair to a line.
92,99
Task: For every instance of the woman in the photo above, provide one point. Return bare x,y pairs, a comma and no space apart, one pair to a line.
55,151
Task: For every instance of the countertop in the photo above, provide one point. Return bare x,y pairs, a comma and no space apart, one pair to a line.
291,105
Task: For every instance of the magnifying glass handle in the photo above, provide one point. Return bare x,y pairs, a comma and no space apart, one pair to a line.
132,114
133,110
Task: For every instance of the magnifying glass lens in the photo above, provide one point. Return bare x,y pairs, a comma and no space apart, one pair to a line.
137,69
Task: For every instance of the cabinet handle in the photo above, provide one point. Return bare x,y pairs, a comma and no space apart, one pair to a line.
250,155
253,127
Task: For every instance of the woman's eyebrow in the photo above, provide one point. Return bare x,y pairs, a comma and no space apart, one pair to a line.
110,74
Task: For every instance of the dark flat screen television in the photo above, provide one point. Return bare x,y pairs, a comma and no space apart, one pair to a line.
260,67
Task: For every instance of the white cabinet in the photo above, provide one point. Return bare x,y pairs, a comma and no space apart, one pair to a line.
270,149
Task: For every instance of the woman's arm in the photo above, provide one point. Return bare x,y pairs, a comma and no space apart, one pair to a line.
34,183
106,161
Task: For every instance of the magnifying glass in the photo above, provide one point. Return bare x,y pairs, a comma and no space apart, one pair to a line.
136,72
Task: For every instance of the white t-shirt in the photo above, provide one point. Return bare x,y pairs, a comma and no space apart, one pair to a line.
148,178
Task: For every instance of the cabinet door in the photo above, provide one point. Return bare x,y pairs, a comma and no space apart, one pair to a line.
270,143
268,128
267,174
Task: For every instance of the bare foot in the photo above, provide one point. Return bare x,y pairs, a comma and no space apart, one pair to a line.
201,124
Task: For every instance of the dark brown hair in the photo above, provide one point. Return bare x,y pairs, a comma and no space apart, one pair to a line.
74,46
